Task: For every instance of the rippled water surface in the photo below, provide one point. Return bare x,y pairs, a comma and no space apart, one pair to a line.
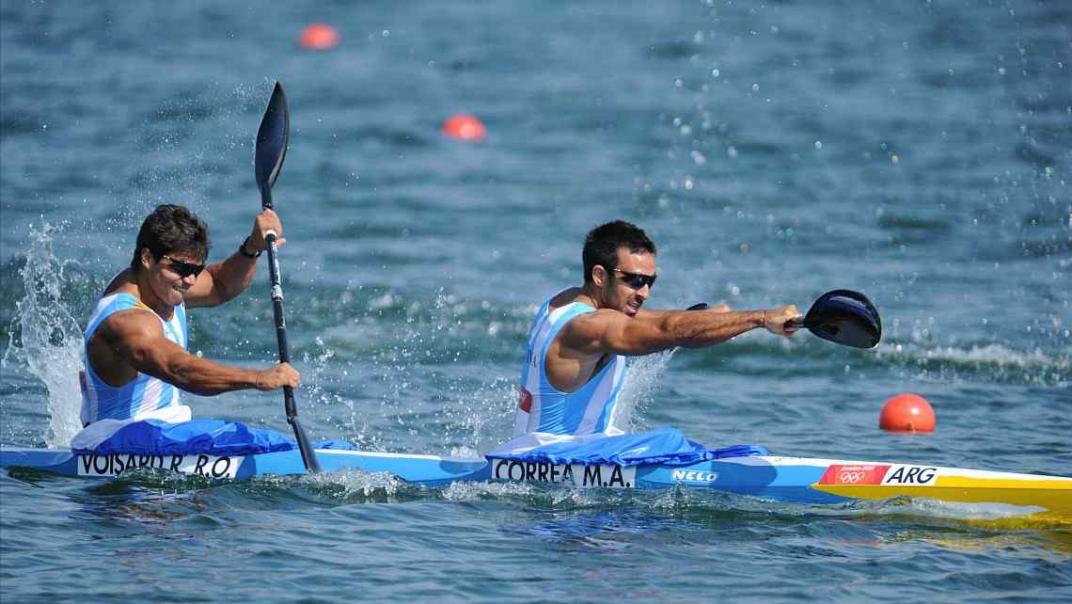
917,151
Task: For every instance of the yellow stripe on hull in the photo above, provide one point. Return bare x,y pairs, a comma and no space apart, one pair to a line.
1052,494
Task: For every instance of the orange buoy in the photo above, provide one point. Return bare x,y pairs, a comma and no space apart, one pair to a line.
907,412
319,36
464,127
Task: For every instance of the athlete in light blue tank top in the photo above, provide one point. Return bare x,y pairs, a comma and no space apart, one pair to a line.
142,395
544,408
146,354
581,336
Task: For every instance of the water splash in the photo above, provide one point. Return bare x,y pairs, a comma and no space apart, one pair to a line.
465,491
460,414
643,376
355,485
46,336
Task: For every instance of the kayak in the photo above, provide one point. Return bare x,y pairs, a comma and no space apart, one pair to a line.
790,479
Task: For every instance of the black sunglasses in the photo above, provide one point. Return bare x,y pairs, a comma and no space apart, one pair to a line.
183,269
636,280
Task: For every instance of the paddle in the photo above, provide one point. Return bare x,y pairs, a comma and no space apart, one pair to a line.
844,317
271,149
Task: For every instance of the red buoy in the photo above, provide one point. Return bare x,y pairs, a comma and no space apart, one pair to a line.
907,413
464,127
319,36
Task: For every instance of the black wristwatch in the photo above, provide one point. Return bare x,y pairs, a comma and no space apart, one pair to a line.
242,250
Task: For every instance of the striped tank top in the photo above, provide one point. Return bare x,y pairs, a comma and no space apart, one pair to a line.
546,409
143,395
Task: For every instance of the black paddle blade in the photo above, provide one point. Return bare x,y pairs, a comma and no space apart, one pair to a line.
272,143
845,317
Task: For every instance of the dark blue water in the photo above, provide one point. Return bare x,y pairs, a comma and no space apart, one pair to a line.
920,152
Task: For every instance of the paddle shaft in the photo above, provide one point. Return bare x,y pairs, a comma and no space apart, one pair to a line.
308,456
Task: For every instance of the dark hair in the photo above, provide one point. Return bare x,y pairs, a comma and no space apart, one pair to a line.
171,229
602,243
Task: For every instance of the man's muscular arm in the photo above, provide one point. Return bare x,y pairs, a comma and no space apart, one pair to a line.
138,338
609,331
659,314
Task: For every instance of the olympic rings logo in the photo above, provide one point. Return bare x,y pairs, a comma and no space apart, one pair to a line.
850,477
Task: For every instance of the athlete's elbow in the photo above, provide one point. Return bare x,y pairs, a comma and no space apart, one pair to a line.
185,378
232,290
221,295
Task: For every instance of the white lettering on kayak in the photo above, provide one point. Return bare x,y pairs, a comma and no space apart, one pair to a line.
579,475
694,476
911,475
115,464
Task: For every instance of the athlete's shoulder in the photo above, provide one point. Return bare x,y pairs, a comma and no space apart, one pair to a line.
592,325
131,321
564,298
123,282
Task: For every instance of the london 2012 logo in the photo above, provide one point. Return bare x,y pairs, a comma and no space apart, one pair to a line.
854,474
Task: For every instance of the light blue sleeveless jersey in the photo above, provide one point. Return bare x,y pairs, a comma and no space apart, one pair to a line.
546,409
144,394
